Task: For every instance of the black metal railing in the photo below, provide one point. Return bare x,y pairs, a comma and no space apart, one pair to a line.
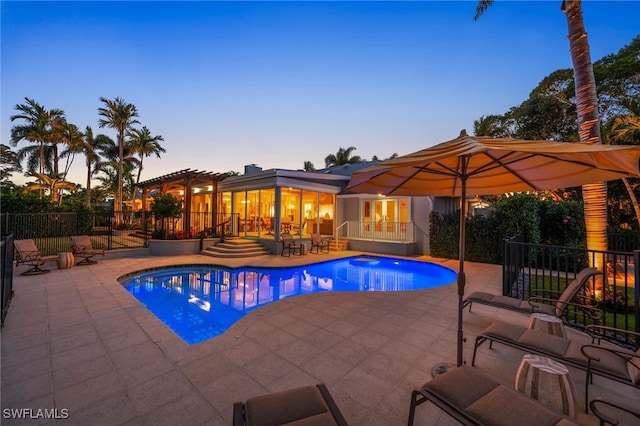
527,266
52,231
6,274
194,225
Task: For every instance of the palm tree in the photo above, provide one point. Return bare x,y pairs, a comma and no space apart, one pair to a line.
37,127
52,184
119,115
593,195
9,164
626,129
142,143
92,147
343,156
110,153
109,178
73,139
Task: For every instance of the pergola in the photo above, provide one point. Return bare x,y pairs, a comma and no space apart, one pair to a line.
186,181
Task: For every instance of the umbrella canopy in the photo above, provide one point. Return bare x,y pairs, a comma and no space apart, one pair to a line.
496,166
481,166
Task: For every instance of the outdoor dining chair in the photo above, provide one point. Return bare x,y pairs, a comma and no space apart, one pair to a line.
289,245
321,245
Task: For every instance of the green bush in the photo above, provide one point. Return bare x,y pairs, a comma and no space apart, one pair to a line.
562,223
536,221
518,215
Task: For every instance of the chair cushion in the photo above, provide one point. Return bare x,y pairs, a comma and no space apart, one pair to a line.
504,330
634,368
497,408
544,308
499,301
481,398
544,342
561,348
612,363
447,386
323,419
289,406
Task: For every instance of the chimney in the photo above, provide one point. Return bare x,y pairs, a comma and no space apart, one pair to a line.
251,169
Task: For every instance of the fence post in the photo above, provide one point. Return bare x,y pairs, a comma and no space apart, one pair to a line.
636,287
110,232
6,274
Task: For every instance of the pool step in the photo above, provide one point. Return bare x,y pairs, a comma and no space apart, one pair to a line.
236,248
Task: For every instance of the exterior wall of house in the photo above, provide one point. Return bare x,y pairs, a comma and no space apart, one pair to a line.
349,208
421,208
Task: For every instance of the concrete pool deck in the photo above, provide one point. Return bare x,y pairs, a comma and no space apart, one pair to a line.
75,339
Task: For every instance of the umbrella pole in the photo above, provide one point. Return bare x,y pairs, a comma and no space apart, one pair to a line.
461,275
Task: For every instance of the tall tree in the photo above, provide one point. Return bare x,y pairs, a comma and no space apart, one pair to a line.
141,142
9,164
92,147
343,156
51,184
119,115
594,195
37,126
109,178
72,139
308,166
626,129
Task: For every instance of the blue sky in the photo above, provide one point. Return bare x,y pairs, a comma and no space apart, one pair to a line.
277,83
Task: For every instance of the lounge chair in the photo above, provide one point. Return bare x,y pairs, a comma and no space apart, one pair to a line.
29,254
557,307
82,248
289,245
604,411
320,244
307,405
603,359
472,397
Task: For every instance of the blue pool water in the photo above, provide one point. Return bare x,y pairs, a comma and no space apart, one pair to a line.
199,302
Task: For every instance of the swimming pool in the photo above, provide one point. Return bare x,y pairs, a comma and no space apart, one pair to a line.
198,302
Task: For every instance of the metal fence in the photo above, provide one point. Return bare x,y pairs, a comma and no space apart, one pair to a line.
52,231
526,266
6,274
194,225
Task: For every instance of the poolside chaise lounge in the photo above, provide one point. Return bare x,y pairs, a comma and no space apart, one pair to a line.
29,254
472,397
307,405
557,307
603,359
605,411
82,248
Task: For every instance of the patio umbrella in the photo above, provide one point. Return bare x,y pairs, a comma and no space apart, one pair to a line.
482,166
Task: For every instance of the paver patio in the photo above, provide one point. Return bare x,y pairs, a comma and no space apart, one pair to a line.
75,339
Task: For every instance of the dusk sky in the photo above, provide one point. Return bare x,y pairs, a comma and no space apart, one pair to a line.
277,83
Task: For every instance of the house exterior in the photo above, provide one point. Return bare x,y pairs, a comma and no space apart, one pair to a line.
263,204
